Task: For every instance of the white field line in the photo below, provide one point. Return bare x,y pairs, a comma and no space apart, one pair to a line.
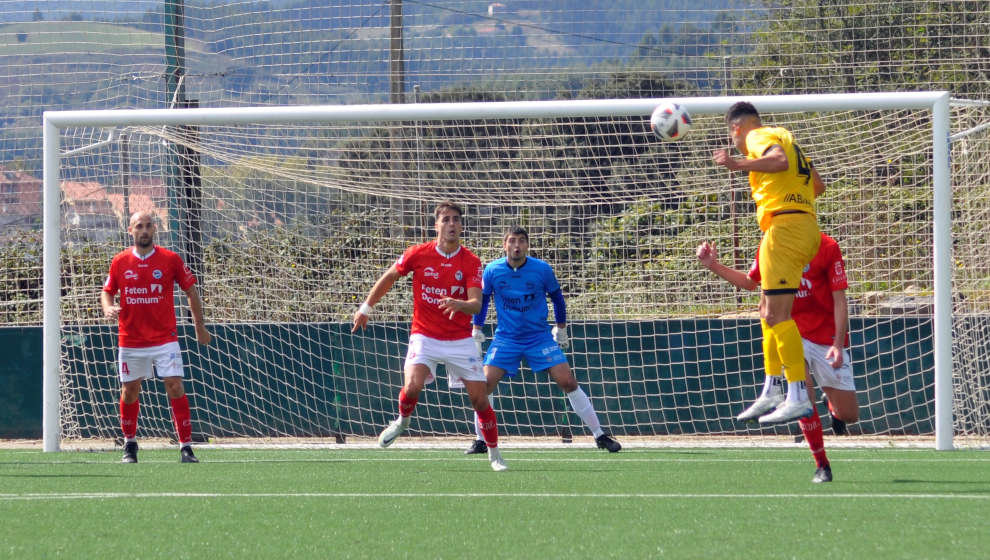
580,442
462,495
548,457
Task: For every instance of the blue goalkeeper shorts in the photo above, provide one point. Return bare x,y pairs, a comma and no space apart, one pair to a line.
541,354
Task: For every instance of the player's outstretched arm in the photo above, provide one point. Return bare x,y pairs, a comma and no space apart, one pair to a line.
708,257
203,335
774,160
378,291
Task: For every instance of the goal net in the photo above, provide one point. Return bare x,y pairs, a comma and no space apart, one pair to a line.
288,215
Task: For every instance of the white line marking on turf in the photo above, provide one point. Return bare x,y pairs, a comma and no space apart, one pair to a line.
545,458
459,495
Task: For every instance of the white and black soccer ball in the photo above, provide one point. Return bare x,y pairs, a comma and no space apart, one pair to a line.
670,121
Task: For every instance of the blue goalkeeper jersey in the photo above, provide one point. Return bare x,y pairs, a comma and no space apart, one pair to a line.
520,298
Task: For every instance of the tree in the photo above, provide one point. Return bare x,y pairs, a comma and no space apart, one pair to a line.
821,45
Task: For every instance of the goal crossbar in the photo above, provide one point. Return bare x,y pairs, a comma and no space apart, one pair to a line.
488,110
937,102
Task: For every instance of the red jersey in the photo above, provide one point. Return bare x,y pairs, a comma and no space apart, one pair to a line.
147,302
813,309
437,276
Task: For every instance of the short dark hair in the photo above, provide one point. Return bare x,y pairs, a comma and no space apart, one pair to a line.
447,204
739,110
516,230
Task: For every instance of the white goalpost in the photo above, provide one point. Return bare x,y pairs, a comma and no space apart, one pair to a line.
299,208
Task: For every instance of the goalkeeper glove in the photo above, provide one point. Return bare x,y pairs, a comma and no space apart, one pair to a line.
560,337
479,338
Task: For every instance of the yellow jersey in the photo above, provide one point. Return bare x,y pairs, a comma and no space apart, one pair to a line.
791,189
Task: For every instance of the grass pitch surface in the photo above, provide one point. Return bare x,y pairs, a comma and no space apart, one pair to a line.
573,503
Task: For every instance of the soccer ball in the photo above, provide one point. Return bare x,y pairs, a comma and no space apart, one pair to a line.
670,122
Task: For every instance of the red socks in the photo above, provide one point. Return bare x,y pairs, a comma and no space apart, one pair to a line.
489,428
811,427
181,416
128,418
406,405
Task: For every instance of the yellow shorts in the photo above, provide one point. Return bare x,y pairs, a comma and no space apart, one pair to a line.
786,249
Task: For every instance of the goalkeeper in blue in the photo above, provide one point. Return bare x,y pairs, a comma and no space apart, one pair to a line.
520,285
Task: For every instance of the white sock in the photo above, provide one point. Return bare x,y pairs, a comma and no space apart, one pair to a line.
797,391
477,427
772,384
404,420
583,408
130,439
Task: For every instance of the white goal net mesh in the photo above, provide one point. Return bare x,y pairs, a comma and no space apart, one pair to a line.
288,226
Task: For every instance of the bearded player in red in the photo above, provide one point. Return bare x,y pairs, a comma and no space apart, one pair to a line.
822,315
446,295
144,276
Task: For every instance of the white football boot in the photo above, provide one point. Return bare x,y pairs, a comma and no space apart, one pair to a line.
495,458
786,412
766,403
393,431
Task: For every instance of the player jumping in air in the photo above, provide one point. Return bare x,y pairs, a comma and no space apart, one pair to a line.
784,186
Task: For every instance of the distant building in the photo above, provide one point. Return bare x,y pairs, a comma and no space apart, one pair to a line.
87,206
20,199
87,214
145,194
92,212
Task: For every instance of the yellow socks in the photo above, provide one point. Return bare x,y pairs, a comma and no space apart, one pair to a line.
789,349
771,358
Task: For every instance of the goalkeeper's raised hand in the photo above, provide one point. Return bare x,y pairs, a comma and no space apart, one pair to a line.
560,337
479,338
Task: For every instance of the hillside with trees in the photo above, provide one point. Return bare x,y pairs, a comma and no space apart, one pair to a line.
293,52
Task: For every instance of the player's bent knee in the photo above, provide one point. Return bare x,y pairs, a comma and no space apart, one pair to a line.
413,389
845,406
130,391
479,400
568,385
173,387
849,417
564,377
481,404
